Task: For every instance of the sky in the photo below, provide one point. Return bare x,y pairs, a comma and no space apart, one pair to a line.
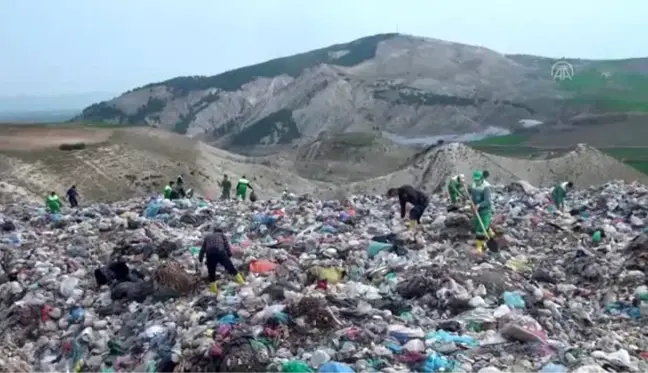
67,47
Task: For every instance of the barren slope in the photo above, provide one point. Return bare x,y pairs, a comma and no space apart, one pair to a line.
405,85
121,162
351,156
585,166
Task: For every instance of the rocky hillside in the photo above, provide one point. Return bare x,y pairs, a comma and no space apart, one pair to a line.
404,85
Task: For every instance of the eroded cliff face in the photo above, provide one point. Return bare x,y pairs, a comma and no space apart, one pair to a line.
404,85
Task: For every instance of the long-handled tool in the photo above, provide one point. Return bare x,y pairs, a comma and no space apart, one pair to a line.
491,244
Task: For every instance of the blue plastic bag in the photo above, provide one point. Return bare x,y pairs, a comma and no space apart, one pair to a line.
436,363
264,219
15,238
376,247
228,320
513,299
152,209
445,337
335,367
553,368
77,314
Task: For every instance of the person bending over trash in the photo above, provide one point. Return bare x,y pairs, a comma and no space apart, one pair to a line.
226,187
480,193
456,188
408,193
53,203
242,187
216,249
559,193
72,195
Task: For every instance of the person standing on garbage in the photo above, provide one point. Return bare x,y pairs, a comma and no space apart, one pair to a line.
53,203
408,193
242,187
480,194
168,190
559,193
226,187
72,195
180,186
456,188
216,249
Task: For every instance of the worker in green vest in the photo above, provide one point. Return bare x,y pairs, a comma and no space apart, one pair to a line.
456,188
53,203
559,193
480,193
242,187
168,190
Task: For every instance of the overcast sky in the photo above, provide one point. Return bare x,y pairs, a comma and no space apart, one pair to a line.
52,47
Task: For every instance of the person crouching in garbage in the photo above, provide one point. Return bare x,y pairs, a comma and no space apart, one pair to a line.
216,249
456,188
53,203
408,193
480,193
559,193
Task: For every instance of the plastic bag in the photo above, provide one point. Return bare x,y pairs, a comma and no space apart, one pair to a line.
554,368
513,299
335,367
253,197
68,285
436,363
375,248
296,366
262,266
152,209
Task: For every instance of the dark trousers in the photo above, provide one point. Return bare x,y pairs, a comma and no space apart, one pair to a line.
216,258
417,212
73,202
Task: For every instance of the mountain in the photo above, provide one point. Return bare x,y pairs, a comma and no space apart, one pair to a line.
404,86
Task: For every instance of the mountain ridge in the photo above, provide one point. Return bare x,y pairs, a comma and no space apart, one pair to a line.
406,85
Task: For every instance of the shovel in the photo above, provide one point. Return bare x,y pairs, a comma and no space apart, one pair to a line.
491,244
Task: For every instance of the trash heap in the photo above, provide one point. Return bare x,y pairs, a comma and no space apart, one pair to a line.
330,286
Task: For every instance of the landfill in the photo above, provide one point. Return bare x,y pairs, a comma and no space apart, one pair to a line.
331,286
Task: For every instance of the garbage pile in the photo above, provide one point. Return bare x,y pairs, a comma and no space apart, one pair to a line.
331,286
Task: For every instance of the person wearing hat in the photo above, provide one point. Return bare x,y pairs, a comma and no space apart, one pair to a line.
480,193
455,188
559,193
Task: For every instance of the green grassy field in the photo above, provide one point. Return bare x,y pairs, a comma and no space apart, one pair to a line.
609,88
517,146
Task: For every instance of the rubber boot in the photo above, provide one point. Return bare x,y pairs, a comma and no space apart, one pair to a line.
479,246
239,278
213,287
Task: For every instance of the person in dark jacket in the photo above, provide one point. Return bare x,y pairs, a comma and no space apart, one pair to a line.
216,249
72,195
180,186
408,193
